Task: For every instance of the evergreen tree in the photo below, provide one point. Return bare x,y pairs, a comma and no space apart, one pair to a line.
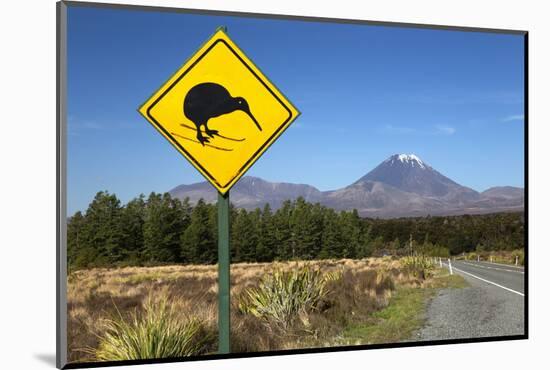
395,246
101,233
378,246
211,254
332,237
365,243
349,225
162,228
301,238
198,244
186,210
75,244
283,232
266,236
244,237
132,219
165,230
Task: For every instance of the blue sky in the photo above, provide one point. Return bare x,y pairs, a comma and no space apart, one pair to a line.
455,99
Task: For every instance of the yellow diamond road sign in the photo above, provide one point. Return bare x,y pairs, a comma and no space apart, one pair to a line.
219,111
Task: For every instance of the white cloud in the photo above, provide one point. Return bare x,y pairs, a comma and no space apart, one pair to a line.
514,117
445,130
399,129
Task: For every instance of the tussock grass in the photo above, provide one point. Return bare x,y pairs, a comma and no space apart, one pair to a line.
107,307
156,332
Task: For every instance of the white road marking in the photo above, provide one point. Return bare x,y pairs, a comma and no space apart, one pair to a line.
492,268
490,282
502,264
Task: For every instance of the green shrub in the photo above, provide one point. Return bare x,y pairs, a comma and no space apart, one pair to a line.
420,266
283,296
472,256
156,333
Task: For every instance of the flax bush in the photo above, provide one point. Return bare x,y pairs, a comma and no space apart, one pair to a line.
283,296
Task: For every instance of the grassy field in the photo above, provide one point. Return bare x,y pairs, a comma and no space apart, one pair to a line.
152,312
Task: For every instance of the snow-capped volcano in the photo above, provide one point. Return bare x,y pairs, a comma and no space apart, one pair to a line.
409,173
411,159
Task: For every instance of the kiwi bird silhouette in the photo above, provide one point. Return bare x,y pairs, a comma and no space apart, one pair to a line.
208,100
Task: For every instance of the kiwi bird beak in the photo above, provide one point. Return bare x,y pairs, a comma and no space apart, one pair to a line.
254,119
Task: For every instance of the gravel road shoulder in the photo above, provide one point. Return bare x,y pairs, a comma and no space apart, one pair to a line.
480,310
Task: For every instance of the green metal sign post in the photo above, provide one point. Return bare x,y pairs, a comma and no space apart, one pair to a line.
223,274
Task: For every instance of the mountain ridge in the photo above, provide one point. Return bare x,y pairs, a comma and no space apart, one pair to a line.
401,186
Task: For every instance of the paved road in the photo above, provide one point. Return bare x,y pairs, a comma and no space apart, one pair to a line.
493,304
511,277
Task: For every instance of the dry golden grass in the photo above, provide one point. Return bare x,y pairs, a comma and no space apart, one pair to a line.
365,286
